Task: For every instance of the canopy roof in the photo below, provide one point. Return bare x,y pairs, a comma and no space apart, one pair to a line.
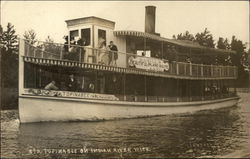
183,43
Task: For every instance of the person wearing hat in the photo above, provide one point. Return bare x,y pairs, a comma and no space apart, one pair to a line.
113,56
71,83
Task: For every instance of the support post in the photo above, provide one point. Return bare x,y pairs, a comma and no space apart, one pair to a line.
235,87
124,87
202,89
212,71
40,78
202,70
34,51
80,54
185,69
145,45
178,91
145,87
96,81
191,73
162,49
61,53
177,68
21,67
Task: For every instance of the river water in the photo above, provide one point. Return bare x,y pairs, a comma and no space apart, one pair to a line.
213,133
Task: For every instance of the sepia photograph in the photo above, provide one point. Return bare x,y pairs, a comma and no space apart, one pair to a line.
124,79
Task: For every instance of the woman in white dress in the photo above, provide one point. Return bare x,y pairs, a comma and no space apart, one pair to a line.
103,57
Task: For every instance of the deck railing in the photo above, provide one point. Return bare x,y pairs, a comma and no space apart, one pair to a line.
106,57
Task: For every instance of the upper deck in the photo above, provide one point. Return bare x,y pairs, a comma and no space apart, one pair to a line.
54,54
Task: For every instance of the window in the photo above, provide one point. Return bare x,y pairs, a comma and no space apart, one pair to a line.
73,34
101,37
86,36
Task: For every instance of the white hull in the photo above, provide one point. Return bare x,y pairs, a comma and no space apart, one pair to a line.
39,108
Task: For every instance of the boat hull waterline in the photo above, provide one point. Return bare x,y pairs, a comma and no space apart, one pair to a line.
40,109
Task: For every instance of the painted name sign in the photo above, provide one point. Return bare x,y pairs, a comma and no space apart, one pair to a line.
151,64
52,93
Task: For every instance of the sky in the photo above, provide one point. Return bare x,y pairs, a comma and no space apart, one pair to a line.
47,18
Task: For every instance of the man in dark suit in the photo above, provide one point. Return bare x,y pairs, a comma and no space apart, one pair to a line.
72,83
113,56
81,51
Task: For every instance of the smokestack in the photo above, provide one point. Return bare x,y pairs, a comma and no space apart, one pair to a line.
150,19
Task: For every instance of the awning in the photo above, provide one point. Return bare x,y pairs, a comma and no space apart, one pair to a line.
66,63
137,34
189,44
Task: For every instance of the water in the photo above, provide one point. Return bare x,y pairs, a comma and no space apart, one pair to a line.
215,133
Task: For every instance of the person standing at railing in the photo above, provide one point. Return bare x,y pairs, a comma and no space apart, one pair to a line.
171,54
103,56
66,47
72,49
113,55
66,44
80,50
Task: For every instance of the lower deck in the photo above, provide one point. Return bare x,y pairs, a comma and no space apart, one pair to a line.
128,87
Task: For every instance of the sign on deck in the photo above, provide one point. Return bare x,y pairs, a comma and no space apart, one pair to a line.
151,64
84,95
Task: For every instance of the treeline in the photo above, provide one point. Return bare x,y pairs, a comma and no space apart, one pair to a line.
9,64
206,39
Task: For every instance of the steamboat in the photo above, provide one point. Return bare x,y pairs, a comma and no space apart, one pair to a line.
103,74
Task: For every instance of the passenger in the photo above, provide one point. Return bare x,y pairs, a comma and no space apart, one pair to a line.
216,61
224,89
72,43
213,89
72,50
78,85
188,59
103,57
166,53
134,97
207,91
51,86
80,50
157,54
114,86
143,54
113,55
71,83
91,88
66,44
66,47
172,53
228,60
